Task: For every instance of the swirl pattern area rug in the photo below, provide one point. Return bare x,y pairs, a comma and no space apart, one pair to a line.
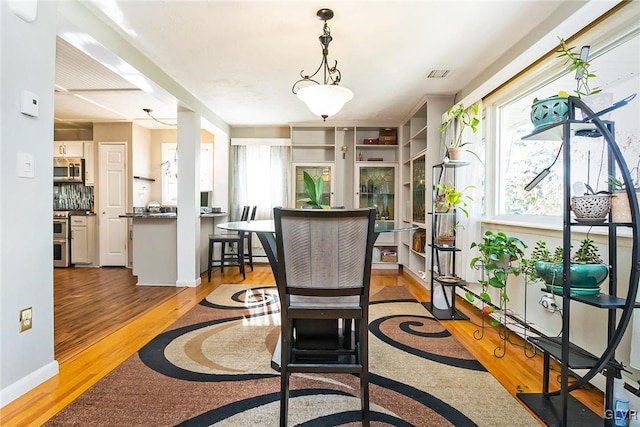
212,368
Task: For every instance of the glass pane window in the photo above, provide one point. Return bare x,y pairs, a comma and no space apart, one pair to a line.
520,161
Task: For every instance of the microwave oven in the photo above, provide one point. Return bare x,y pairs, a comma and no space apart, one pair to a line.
68,169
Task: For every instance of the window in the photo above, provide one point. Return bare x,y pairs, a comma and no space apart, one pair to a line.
519,161
170,171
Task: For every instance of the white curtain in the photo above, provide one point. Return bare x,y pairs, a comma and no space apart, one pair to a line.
260,177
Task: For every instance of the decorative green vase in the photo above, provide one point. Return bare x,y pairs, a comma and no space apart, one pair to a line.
582,275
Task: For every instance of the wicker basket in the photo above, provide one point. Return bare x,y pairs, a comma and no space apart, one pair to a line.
389,256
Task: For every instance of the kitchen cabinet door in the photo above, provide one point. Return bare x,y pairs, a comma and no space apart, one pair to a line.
80,240
68,149
89,164
316,170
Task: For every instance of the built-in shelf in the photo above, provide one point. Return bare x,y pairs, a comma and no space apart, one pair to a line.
144,178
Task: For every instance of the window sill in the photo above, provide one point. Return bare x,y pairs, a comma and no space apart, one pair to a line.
551,224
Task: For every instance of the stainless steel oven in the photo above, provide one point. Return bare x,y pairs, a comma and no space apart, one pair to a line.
61,239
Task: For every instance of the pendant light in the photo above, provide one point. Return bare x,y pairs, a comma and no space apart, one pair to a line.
324,98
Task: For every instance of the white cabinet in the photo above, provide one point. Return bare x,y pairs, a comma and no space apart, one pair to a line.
344,147
420,149
68,149
82,239
376,188
89,163
359,164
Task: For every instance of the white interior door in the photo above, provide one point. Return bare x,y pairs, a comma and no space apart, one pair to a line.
112,202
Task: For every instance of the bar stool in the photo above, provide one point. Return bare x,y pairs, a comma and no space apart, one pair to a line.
228,258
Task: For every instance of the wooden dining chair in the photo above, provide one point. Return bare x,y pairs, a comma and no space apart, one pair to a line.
323,277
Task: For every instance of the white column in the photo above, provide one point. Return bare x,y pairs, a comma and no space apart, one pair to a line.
188,226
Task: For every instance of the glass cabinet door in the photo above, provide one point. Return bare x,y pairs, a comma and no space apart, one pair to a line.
316,170
376,189
418,188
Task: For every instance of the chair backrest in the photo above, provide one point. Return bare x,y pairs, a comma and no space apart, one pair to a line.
324,249
253,213
245,213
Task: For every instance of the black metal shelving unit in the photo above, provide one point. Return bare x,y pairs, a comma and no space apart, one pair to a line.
441,172
559,408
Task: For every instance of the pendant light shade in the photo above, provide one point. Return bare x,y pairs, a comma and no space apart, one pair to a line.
325,100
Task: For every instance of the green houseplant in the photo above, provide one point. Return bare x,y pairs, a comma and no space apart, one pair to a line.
555,108
313,189
448,197
458,119
500,256
587,270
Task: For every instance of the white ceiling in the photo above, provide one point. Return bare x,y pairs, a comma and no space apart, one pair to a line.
240,58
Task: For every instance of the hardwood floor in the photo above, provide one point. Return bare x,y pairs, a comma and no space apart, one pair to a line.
102,318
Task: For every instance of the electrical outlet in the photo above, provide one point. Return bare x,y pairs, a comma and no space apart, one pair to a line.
26,319
548,302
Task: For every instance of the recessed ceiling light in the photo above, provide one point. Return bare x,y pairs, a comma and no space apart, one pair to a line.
437,74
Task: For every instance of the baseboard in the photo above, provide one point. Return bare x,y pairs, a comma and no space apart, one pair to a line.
28,383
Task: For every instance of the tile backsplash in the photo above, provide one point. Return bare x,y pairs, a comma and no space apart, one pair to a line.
72,196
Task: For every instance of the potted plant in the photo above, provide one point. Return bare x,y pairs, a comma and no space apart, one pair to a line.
620,206
556,108
458,119
500,256
591,206
447,236
448,197
313,189
587,270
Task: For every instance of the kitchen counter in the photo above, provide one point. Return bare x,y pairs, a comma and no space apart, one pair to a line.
163,215
155,245
154,248
81,213
167,215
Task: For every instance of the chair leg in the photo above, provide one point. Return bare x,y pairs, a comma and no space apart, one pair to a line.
364,398
250,250
284,397
210,259
362,347
241,257
286,342
222,255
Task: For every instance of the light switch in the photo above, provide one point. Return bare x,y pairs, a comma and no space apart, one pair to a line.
29,103
25,165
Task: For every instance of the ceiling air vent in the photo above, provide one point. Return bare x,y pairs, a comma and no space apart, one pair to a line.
437,74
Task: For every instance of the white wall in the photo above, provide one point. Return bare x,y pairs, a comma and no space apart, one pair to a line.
27,55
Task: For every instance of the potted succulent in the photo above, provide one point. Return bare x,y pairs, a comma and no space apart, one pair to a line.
458,119
555,108
313,189
587,270
500,256
448,197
